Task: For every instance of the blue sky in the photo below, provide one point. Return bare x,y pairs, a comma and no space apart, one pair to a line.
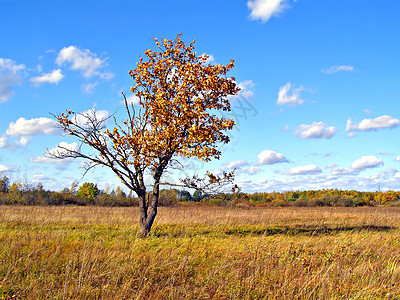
319,106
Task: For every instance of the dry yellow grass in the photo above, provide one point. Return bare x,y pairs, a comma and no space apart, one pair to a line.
200,252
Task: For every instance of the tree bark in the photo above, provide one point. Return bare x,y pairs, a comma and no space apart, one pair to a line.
144,231
148,211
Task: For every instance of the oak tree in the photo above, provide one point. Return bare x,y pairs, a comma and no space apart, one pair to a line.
178,97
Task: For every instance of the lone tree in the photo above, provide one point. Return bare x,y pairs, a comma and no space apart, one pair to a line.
178,95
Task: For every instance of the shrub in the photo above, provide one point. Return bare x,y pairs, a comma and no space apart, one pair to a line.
115,200
279,203
217,201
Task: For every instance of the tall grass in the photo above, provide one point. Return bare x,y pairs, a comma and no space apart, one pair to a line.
200,252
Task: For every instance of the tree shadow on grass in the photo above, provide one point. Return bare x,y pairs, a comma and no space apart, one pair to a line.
217,231
305,230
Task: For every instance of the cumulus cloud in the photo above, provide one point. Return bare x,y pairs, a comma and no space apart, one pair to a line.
10,76
264,9
82,119
60,149
330,166
132,99
361,164
290,95
344,171
83,60
54,77
22,141
237,164
398,158
4,168
335,69
246,87
366,162
249,171
304,170
36,126
373,124
246,90
315,131
4,143
269,157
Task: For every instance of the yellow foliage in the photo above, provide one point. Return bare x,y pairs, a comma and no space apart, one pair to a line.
179,95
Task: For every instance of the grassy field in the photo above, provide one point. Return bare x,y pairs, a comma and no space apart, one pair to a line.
200,252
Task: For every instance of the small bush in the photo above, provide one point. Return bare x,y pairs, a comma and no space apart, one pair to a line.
279,203
115,200
301,202
217,201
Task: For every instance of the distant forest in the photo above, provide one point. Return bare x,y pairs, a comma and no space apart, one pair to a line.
89,194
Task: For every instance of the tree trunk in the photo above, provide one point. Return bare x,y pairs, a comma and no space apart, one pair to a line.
148,211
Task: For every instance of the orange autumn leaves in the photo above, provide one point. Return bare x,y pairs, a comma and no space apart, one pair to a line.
178,96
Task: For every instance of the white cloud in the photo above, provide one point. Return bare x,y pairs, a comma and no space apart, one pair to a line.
42,178
10,75
61,148
246,90
263,181
335,69
24,140
82,118
84,60
5,144
398,158
304,170
106,75
330,166
88,87
246,87
290,95
368,111
269,157
237,164
366,162
373,124
132,99
210,58
264,9
4,168
385,153
250,171
23,127
343,171
54,77
387,180
315,131
38,177
351,134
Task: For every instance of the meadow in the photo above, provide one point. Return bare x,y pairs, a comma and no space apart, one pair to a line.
199,251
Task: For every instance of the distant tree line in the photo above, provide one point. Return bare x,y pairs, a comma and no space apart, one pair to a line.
89,194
